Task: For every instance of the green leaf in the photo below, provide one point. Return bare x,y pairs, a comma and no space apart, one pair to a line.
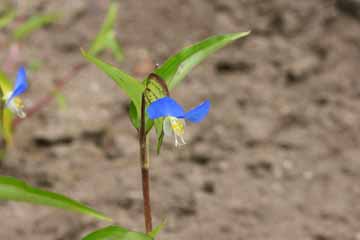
106,38
135,119
131,86
110,19
157,230
7,18
116,233
5,83
178,66
17,190
116,49
34,23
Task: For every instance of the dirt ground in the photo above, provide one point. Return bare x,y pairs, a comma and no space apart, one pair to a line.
277,157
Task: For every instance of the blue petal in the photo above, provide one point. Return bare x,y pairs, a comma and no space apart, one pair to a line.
198,113
164,107
20,84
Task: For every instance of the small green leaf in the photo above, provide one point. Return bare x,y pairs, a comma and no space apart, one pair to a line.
178,66
106,38
116,233
135,119
17,190
132,87
34,23
7,18
157,230
110,19
116,49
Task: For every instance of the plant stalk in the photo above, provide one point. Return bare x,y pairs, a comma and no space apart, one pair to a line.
145,164
2,139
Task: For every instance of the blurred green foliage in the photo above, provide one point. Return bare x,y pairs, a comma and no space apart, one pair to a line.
34,23
106,38
7,18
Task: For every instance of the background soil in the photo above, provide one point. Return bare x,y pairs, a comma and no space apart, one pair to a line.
277,158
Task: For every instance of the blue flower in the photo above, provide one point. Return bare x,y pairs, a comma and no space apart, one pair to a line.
175,116
12,101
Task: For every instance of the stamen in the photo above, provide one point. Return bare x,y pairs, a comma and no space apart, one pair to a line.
178,126
17,107
175,126
21,113
179,141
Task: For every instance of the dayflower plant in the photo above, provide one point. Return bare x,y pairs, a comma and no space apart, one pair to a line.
151,107
11,98
175,116
149,100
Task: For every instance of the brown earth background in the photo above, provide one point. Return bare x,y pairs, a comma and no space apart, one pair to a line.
277,157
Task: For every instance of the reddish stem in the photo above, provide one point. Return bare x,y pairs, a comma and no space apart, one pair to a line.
45,100
145,164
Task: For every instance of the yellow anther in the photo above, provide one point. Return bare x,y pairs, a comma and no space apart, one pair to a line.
178,126
18,103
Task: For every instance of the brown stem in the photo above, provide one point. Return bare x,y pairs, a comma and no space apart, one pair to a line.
146,196
45,100
144,157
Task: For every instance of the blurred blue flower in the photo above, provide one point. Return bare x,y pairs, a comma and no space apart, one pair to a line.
12,101
175,116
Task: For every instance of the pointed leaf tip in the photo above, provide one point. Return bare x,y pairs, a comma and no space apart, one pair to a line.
157,229
130,85
175,69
